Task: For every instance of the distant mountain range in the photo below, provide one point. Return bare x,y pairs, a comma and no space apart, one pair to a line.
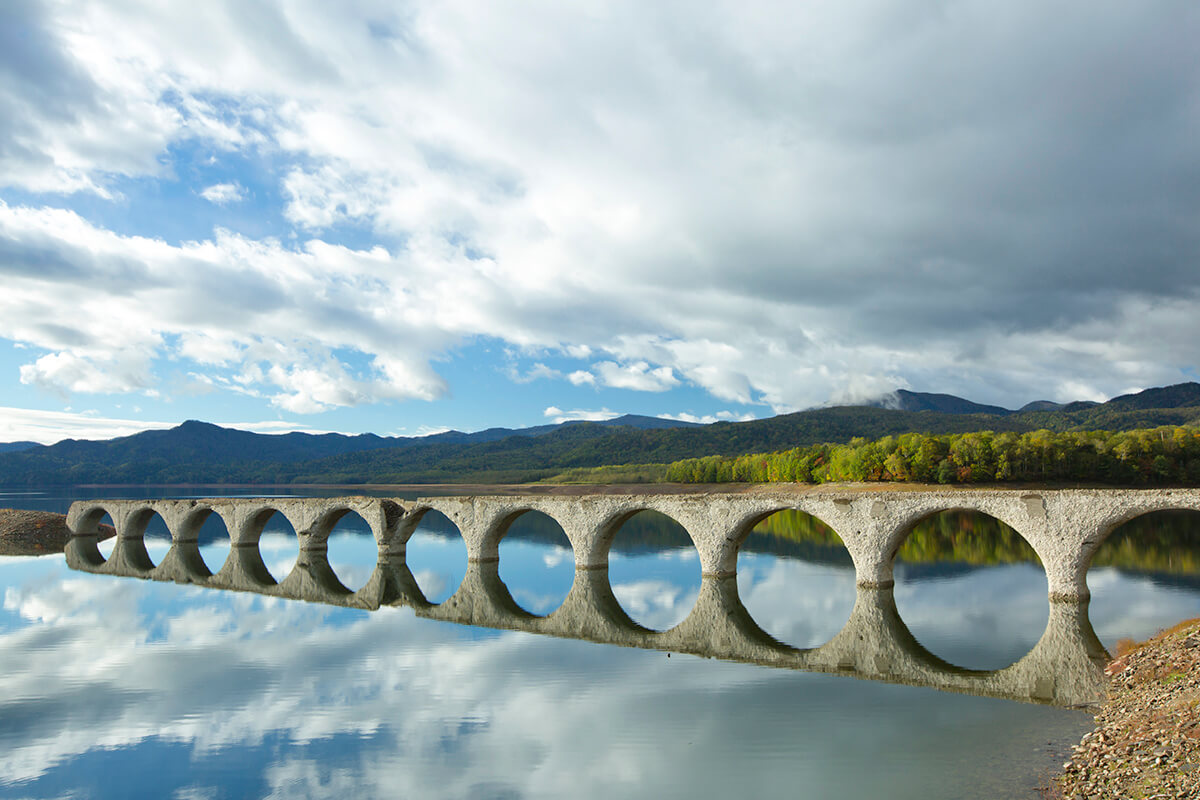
199,452
904,400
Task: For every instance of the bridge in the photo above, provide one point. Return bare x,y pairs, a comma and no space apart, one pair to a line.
1064,527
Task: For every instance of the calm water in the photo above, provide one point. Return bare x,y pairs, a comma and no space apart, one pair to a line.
117,687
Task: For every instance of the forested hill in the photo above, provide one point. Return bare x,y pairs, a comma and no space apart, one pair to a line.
201,453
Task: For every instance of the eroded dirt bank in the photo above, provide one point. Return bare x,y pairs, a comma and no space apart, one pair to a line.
1146,743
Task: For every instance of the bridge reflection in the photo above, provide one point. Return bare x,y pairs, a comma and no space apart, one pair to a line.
1064,668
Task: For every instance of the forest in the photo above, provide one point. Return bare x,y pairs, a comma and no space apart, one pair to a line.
1162,456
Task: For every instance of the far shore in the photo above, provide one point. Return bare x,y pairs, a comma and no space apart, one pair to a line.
569,489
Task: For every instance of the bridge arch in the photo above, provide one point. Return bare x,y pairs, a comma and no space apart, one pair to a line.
348,544
85,521
536,560
990,585
654,565
185,541
874,535
439,558
795,575
129,550
248,544
1129,513
902,535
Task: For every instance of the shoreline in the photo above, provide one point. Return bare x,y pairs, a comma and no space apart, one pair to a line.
1146,739
571,489
36,533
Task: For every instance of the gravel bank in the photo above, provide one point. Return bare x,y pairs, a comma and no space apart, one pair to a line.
36,533
1147,738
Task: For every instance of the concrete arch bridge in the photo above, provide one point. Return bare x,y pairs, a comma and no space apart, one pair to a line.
1064,527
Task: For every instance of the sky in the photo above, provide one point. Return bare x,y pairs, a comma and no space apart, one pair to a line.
404,217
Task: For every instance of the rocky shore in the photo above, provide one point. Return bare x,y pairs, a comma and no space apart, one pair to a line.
1146,743
36,533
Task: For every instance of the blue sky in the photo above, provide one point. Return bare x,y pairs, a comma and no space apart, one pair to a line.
406,217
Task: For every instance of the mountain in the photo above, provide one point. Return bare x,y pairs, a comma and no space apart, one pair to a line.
202,452
198,452
1178,396
496,434
904,400
647,423
1040,405
16,447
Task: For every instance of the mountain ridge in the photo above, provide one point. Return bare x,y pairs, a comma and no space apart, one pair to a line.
201,452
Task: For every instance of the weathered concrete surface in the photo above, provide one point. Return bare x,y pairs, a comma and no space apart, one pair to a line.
1063,526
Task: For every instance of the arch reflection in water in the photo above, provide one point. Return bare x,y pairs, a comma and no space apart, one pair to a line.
1063,668
654,569
351,550
1142,560
993,588
105,546
537,563
791,561
278,544
437,554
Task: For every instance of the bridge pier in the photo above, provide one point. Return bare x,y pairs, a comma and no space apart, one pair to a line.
183,563
392,584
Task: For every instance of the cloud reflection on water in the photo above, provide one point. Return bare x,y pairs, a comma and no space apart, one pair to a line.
321,700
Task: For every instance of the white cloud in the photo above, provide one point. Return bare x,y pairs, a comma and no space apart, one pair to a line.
102,373
427,430
48,427
271,317
639,376
579,414
538,370
708,419
770,212
581,376
223,194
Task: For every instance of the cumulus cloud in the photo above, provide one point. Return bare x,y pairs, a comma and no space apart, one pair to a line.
579,414
707,419
537,371
223,194
107,305
991,202
639,376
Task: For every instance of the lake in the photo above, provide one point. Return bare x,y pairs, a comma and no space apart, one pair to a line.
119,687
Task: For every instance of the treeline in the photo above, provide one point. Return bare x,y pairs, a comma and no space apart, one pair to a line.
1163,541
1155,456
